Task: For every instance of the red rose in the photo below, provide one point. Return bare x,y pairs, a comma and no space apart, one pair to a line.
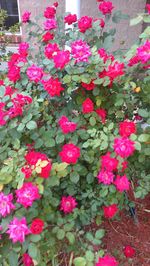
27,260
47,37
55,4
70,153
106,7
37,226
53,87
87,106
50,12
84,23
129,252
127,128
61,59
90,86
70,19
110,211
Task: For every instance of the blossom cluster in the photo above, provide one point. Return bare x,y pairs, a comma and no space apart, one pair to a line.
17,102
123,147
37,162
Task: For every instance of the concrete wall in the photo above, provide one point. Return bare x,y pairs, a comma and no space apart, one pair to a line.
125,35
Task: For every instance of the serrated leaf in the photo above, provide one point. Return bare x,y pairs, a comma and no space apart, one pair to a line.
89,255
70,236
44,163
60,234
100,233
144,137
38,169
80,261
32,250
31,125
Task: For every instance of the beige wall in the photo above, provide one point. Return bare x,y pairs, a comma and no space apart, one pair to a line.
125,34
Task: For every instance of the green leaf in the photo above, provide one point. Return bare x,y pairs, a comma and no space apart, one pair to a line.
13,258
5,178
137,145
60,234
76,78
67,79
60,138
74,177
92,121
89,255
136,20
32,250
79,261
70,236
35,238
100,233
144,137
143,113
2,91
31,125
20,128
98,81
118,16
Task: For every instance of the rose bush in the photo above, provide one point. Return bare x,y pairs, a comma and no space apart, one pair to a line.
74,138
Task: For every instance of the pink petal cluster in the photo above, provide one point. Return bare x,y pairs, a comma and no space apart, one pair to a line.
51,49
85,23
109,163
23,48
143,52
70,19
26,16
80,51
70,153
27,260
105,177
50,24
14,73
18,103
102,114
126,128
53,86
27,194
66,125
18,229
107,261
102,53
106,7
87,106
61,59
124,147
114,70
6,204
110,211
122,183
35,73
68,204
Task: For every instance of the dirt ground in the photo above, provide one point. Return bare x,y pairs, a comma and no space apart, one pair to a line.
124,231
127,232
